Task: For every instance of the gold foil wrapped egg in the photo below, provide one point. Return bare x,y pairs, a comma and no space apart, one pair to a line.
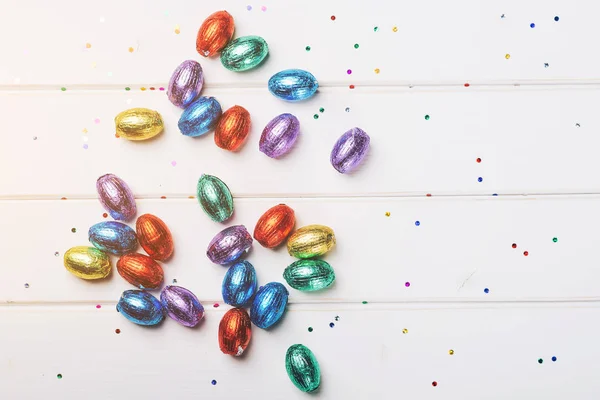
87,262
138,124
214,34
233,128
311,241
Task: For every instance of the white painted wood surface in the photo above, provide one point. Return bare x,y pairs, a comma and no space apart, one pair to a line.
533,127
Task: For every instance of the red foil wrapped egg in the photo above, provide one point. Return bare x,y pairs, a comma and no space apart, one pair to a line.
235,331
214,34
233,128
154,237
140,270
274,226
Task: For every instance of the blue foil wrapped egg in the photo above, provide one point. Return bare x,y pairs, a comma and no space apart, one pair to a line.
141,307
200,116
185,83
269,305
293,85
239,284
113,237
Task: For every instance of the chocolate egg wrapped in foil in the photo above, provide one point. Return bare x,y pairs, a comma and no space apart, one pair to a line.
87,262
233,128
235,331
140,270
141,307
229,245
239,284
274,226
214,33
155,237
215,198
185,83
311,241
200,116
138,124
269,305
279,135
309,275
302,368
350,150
113,237
293,85
244,53
182,305
116,197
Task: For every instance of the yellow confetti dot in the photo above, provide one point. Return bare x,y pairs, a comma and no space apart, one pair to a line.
395,29
131,49
177,31
387,213
451,352
93,65
507,56
377,70
84,130
88,45
405,331
142,89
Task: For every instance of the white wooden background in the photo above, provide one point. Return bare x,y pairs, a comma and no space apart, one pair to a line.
533,126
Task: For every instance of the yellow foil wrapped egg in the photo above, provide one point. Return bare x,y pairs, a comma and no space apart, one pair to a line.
311,241
87,262
138,124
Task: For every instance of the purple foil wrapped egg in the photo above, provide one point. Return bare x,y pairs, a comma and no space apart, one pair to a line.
229,245
182,305
279,135
116,197
185,83
350,150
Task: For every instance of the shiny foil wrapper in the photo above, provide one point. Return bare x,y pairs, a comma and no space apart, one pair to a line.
113,237
293,85
302,368
350,150
269,305
200,117
116,197
155,237
239,284
214,34
185,83
274,226
309,275
141,308
87,262
244,53
140,270
279,135
138,124
215,198
235,331
311,241
182,305
229,245
233,128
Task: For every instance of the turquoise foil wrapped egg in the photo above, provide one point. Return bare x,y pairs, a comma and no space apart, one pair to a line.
269,305
239,284
113,237
244,53
293,85
303,368
141,307
215,198
200,116
309,275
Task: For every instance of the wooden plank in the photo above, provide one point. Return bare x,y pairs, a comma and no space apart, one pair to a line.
461,247
517,134
365,355
434,42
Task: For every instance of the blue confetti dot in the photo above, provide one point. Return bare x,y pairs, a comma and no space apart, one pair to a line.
532,25
556,18
331,324
486,290
494,194
554,358
480,179
214,382
417,223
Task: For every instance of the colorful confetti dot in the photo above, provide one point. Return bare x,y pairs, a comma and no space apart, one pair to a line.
85,146
377,70
540,361
375,28
395,29
417,223
337,318
427,117
307,48
556,18
553,358
64,89
478,160
130,49
532,25
351,86
525,253
347,109
407,284
143,89
88,45
467,84
35,138
26,286
387,213
177,30
451,352
434,383
310,329
56,254
59,376
128,88
249,7
486,290
174,281
480,179
333,17
507,56
117,331
331,324
356,46
162,89
405,331
555,239
365,302
578,125
546,65
216,305
349,72
263,8
214,382
514,245
502,16
97,120
316,116
73,230
321,109
173,163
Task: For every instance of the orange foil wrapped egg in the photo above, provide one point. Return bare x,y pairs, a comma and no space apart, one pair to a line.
214,34
235,331
154,237
140,270
233,128
274,226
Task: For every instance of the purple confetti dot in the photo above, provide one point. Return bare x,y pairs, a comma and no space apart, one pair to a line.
263,8
407,284
349,71
173,163
249,8
85,146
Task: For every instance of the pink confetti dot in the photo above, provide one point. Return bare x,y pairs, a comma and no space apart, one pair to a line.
263,8
349,71
407,284
173,163
98,306
216,305
97,120
161,88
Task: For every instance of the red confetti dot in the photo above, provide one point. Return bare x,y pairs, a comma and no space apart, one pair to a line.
163,197
467,85
63,198
117,331
434,383
333,17
428,195
117,135
216,305
514,245
151,88
105,215
351,86
478,160
525,253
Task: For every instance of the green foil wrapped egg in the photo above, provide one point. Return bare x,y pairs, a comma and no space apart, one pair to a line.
215,198
244,53
309,275
311,241
302,368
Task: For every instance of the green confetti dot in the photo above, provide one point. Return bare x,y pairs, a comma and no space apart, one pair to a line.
64,89
427,117
310,329
73,230
356,46
375,29
321,109
307,48
316,116
59,376
128,88
540,360
555,239
365,302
